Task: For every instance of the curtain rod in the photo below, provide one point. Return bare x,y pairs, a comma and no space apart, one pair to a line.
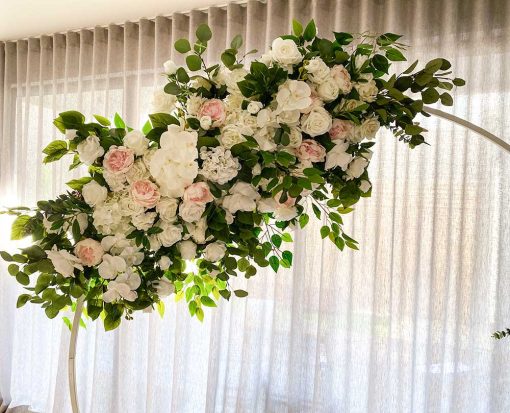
223,5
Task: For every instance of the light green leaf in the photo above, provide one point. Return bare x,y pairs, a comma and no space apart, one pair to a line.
182,46
194,63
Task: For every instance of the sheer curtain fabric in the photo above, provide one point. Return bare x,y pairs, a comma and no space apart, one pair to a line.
403,325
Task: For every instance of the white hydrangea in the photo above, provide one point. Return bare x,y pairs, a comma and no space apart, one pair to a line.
218,165
143,221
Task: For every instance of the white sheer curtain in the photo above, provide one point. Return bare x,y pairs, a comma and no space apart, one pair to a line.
403,325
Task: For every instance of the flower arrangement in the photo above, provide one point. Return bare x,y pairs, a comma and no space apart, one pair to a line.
234,157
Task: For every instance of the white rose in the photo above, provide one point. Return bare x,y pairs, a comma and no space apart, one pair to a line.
167,209
193,104
164,287
137,141
236,75
188,249
230,136
215,251
365,186
164,263
243,197
256,170
285,51
342,77
264,138
170,67
70,134
154,243
317,122
93,193
197,230
205,122
295,138
328,90
317,70
89,251
289,117
128,205
368,129
254,107
163,102
111,266
367,90
170,235
266,59
356,167
338,156
294,94
123,287
347,105
143,221
191,211
64,262
89,150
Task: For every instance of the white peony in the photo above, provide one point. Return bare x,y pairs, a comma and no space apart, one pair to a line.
191,211
170,235
174,166
193,104
285,51
123,287
293,94
356,168
137,141
170,67
93,193
138,172
167,209
317,70
328,90
89,150
338,156
64,262
163,102
188,249
107,217
243,197
215,251
265,139
111,266
116,182
317,122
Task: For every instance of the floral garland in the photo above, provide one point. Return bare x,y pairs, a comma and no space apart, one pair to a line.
233,158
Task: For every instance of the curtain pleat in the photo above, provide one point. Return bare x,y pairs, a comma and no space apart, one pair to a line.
402,325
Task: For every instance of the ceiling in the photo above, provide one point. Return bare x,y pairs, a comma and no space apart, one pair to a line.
24,18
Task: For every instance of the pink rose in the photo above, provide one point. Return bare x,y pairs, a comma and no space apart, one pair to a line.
215,109
316,102
145,193
342,78
89,252
310,150
118,159
341,129
198,193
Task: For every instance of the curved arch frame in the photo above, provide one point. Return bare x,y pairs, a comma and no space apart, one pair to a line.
79,303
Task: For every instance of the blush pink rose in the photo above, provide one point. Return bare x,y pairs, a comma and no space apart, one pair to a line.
316,102
310,150
198,193
215,109
341,129
118,159
89,252
342,78
145,193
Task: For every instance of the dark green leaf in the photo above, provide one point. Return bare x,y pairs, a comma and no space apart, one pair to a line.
203,33
194,63
182,46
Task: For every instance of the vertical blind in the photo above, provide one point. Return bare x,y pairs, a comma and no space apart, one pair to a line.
403,325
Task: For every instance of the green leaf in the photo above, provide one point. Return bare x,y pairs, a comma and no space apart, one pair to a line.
240,293
297,28
18,230
207,301
22,278
34,252
458,81
182,46
395,55
380,63
162,120
172,88
200,314
446,99
228,59
51,311
430,95
77,184
13,269
236,42
111,321
6,256
55,150
102,120
147,127
194,63
274,262
310,31
182,75
119,122
343,38
286,237
22,300
387,38
410,68
287,256
303,220
161,308
203,33
324,231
